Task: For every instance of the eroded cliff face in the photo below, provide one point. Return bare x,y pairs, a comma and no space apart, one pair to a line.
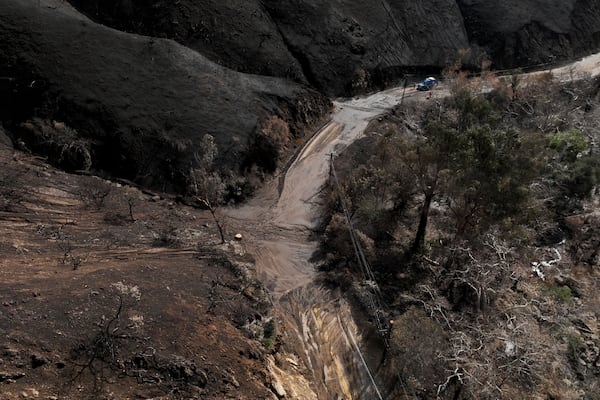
347,47
329,351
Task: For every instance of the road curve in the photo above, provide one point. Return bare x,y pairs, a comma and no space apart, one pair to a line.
284,218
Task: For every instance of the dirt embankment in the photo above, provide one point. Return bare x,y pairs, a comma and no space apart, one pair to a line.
134,106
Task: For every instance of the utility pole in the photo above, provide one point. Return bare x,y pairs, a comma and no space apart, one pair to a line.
403,90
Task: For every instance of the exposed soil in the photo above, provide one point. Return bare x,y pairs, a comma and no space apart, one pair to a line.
96,304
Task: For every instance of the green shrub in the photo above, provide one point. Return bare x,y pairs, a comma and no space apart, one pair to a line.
574,346
583,176
268,339
576,169
267,342
561,293
570,144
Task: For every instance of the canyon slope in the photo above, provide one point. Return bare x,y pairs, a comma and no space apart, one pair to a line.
129,78
137,107
120,281
343,47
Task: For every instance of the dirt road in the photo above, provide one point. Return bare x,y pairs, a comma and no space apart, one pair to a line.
320,331
283,221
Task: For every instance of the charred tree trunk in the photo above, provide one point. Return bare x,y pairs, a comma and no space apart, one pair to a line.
219,226
213,212
419,242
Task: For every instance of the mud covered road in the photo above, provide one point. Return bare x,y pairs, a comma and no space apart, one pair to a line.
321,357
285,214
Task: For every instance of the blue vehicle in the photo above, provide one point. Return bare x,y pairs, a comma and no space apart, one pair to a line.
427,84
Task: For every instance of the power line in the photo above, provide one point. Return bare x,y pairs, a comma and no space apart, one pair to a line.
373,293
362,359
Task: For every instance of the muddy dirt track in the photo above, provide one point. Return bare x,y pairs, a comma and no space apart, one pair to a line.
319,328
283,219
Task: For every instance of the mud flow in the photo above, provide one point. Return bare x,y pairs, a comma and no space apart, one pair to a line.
324,351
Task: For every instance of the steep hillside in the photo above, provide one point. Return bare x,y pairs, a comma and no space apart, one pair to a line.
522,33
102,303
339,47
92,97
343,47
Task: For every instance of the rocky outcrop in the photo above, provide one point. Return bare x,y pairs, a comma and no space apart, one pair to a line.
138,105
343,47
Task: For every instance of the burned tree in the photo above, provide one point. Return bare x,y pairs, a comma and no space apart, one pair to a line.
206,184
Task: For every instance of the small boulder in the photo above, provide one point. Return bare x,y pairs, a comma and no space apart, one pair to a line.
278,389
38,361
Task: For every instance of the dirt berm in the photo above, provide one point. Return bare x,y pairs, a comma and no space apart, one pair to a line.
131,105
